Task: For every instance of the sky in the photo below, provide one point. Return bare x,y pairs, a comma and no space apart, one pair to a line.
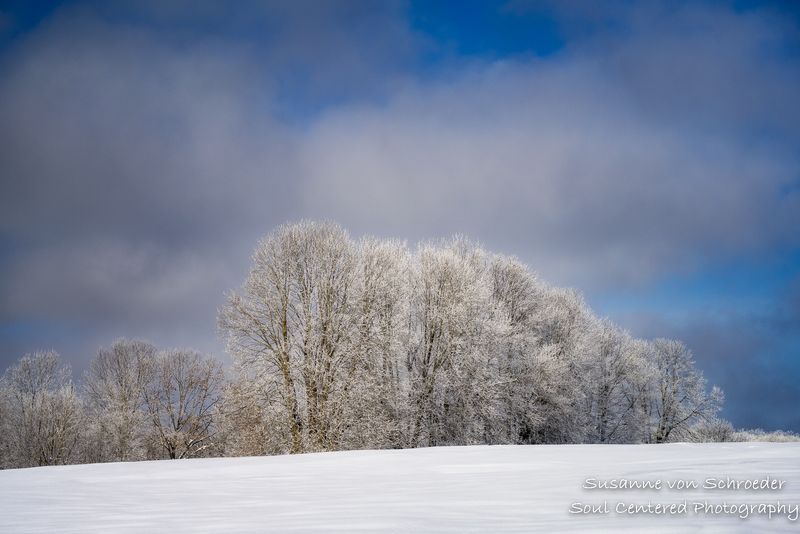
645,153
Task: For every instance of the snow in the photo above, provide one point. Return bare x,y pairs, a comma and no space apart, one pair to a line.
447,489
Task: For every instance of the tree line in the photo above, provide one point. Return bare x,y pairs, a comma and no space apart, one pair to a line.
340,344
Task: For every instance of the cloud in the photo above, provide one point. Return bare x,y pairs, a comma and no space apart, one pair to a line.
313,53
131,168
112,281
552,161
107,126
145,146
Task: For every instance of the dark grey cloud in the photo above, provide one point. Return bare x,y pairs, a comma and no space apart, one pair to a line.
109,131
144,149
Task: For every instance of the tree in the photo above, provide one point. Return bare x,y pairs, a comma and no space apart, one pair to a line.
293,324
247,425
43,418
180,399
114,389
376,392
454,329
519,358
562,324
678,395
616,361
260,326
342,345
713,430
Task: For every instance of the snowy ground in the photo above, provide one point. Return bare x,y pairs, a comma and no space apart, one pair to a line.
453,489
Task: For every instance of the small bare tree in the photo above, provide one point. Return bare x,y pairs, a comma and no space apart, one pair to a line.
678,396
180,399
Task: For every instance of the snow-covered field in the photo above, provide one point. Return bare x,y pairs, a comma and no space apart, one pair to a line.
449,489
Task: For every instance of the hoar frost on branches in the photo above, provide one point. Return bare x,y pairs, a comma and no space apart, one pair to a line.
351,344
42,416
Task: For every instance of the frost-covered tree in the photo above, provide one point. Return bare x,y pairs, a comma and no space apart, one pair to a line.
326,322
678,396
339,344
293,324
260,324
43,417
376,390
563,325
180,398
541,356
342,344
712,430
524,367
614,366
114,389
454,333
5,445
247,424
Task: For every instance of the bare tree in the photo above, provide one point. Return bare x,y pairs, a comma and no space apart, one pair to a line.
678,396
260,326
454,329
247,425
44,416
114,390
562,323
294,323
615,362
375,392
180,399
